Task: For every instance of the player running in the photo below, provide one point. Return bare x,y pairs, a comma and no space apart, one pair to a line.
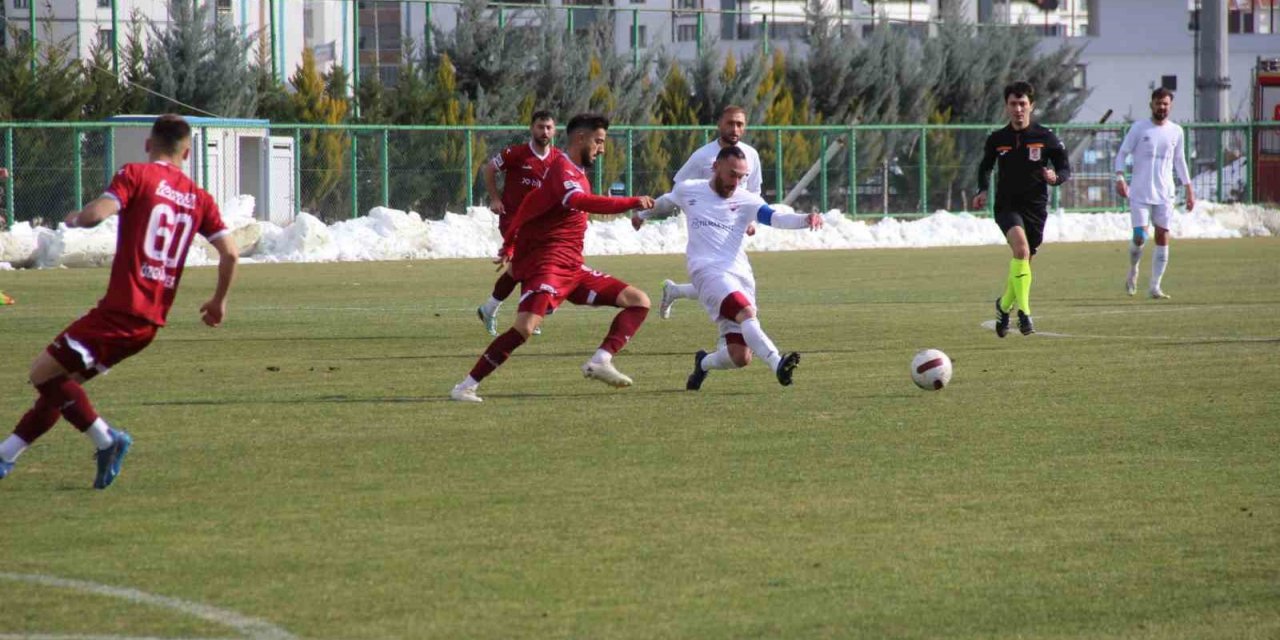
1030,158
717,212
543,245
731,126
1156,146
160,208
522,167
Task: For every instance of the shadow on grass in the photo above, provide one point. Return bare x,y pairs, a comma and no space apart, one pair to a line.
343,399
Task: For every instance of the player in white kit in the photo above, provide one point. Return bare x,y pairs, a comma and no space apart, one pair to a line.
717,212
731,126
1157,148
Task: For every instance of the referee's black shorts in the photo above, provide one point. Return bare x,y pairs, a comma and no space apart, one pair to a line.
1031,219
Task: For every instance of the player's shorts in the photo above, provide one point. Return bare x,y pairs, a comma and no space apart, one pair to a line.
713,288
1030,219
99,340
542,293
1143,214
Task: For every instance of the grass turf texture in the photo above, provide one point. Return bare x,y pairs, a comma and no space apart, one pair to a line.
302,466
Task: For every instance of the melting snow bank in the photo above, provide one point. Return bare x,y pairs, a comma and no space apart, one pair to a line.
388,234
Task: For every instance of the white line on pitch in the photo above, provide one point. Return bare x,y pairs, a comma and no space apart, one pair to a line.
252,628
990,325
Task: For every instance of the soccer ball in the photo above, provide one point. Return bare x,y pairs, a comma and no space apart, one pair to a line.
931,369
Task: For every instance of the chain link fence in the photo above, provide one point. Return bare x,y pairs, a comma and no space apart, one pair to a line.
340,172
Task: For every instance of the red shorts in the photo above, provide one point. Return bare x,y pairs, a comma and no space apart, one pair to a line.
99,340
542,293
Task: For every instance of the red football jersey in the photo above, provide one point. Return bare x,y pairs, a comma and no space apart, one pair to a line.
522,172
552,233
160,209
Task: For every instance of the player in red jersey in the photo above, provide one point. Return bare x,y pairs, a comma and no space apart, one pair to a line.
160,209
543,244
522,167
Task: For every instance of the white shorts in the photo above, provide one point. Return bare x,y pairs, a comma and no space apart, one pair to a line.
713,288
1144,214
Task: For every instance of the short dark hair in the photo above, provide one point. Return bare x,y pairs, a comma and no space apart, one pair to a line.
1020,88
587,122
168,132
731,151
1161,92
731,109
539,116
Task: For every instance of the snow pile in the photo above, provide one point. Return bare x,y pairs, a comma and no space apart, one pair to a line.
390,234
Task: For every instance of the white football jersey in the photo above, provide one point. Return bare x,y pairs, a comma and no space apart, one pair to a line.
1157,151
698,166
717,226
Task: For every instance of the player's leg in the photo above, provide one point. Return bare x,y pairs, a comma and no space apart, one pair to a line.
1011,226
733,353
57,374
1032,233
488,312
743,311
1160,257
1138,216
600,289
534,305
672,291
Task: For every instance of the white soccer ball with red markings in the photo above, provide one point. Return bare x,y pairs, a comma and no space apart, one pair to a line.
931,369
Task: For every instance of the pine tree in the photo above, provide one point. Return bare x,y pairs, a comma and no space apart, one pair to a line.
325,153
675,107
201,63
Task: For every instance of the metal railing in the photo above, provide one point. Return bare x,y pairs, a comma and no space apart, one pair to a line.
342,171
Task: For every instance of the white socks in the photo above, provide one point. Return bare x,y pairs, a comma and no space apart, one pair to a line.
491,306
1159,260
760,343
100,435
687,291
468,383
602,357
12,447
1135,257
718,360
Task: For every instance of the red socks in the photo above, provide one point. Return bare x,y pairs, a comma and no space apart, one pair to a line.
504,286
625,325
497,353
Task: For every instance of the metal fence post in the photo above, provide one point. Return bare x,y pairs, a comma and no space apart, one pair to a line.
1248,164
822,164
78,164
384,162
355,175
204,158
853,173
8,184
271,24
110,168
115,38
426,28
777,164
471,174
297,172
355,60
635,39
924,170
700,27
1222,158
631,164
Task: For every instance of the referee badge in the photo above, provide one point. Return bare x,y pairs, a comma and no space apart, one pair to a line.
1034,154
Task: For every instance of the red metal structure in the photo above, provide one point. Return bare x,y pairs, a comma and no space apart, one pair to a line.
1266,138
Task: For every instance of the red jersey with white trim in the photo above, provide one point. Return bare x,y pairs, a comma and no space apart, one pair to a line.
522,171
160,210
552,237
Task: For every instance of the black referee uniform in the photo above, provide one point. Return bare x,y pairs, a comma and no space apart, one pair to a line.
1022,196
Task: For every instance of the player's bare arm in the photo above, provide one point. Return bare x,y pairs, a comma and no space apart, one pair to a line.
92,214
213,311
490,173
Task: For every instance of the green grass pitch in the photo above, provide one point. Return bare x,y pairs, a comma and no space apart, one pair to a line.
1117,476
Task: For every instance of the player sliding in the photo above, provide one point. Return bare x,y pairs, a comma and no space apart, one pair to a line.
543,244
731,126
717,212
159,210
522,167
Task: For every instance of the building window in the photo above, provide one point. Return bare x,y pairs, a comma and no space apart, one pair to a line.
1169,82
686,4
640,34
1079,81
222,6
105,36
104,4
20,4
686,33
1252,16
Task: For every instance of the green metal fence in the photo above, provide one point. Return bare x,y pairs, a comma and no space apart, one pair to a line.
341,172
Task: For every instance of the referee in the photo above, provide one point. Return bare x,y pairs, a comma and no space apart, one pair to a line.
1031,159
